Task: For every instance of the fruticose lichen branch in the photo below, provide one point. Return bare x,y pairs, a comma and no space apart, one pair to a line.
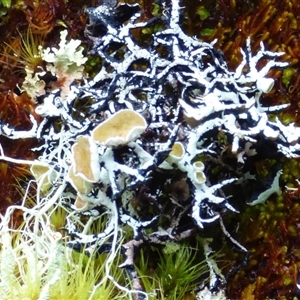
156,113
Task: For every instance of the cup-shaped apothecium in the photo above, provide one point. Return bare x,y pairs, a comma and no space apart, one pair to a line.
79,184
85,169
80,204
123,127
43,174
198,175
265,85
198,166
85,159
176,154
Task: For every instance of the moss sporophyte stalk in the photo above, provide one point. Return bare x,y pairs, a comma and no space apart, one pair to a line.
141,170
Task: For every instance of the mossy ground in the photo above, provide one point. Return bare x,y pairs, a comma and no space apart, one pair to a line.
269,232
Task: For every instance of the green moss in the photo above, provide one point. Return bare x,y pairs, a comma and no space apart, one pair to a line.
287,281
5,3
26,275
174,274
287,75
206,32
203,13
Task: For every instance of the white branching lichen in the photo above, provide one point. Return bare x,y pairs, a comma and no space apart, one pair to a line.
118,156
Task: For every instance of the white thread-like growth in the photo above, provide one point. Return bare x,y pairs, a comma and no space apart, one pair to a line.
137,136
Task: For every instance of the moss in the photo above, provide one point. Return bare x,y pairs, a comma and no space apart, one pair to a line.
288,73
270,231
269,234
175,271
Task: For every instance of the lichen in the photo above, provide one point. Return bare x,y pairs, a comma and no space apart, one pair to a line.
191,101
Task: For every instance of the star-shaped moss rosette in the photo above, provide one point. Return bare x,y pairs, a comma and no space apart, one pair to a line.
159,112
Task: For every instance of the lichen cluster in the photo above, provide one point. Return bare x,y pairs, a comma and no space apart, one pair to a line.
157,141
